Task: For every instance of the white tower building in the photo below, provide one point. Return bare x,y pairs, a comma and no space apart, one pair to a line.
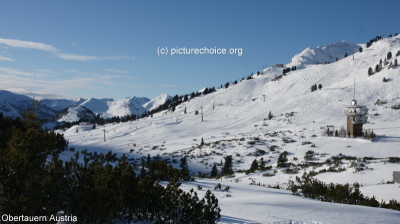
356,117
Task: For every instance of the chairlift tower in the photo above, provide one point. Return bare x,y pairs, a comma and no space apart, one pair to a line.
357,115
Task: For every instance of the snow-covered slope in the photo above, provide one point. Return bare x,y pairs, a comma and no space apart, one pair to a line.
60,104
254,204
72,114
156,102
11,104
98,106
126,106
235,124
322,55
107,107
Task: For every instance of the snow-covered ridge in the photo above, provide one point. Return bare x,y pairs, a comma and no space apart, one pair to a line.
11,104
156,102
77,113
60,104
322,55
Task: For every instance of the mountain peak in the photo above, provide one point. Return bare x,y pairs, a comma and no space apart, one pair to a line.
323,55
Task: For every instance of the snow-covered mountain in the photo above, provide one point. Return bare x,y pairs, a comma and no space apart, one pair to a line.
71,110
108,107
234,122
126,106
156,102
11,104
60,104
98,106
77,113
322,55
105,107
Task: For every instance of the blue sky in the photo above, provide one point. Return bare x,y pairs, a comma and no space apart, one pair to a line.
109,48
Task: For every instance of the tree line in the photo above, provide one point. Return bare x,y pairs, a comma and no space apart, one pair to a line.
94,187
310,187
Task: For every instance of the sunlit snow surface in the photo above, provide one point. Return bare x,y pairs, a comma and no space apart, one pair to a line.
234,116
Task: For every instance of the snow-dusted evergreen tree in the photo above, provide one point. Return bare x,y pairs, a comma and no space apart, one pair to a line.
389,55
270,116
370,72
377,68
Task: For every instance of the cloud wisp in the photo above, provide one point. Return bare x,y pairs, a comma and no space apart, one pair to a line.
116,71
3,58
41,81
27,45
58,53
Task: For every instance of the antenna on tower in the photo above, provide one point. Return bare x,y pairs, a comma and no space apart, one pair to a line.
354,97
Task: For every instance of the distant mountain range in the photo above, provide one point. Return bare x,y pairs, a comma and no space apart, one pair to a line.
11,104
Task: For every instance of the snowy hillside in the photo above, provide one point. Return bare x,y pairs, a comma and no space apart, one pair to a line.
156,102
12,104
108,107
323,55
235,123
127,106
60,104
97,105
72,114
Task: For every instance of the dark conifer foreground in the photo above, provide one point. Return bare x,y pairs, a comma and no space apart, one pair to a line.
96,188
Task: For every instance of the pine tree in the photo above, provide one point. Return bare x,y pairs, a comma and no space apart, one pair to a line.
320,86
202,141
395,63
211,209
389,55
270,116
227,168
185,110
29,183
282,159
377,68
254,165
148,160
226,85
360,49
262,163
370,72
183,165
214,171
